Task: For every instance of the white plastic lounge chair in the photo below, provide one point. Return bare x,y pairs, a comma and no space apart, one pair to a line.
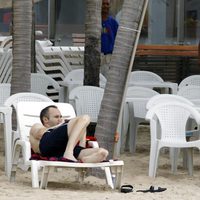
27,115
12,135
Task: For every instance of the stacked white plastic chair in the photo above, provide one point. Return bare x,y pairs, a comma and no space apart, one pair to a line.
28,114
5,59
57,61
172,118
87,100
134,113
74,79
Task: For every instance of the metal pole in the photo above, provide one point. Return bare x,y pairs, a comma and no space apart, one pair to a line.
51,19
180,21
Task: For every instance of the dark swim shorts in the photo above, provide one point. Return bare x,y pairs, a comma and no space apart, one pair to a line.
53,143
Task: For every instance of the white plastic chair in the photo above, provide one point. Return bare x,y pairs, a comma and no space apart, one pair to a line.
75,78
28,114
190,80
165,98
45,85
87,100
12,135
5,118
134,113
172,117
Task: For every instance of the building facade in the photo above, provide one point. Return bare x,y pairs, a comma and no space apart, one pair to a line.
166,21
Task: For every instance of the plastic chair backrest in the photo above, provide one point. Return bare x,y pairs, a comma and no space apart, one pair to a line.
87,100
28,114
137,76
173,117
162,98
190,80
190,92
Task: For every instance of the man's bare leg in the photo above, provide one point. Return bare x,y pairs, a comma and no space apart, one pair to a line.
76,132
93,155
72,125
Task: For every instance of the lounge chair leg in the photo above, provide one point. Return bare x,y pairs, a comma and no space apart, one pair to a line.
109,177
190,161
44,178
81,174
15,163
34,174
117,171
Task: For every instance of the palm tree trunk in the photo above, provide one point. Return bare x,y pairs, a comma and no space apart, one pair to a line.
92,43
119,71
22,33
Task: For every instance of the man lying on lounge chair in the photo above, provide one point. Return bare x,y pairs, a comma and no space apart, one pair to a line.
63,140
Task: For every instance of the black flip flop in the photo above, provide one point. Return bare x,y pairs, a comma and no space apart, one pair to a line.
152,189
126,188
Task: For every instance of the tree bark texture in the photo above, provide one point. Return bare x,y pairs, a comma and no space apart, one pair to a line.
92,42
119,71
22,33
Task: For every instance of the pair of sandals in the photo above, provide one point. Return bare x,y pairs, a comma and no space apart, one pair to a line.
152,189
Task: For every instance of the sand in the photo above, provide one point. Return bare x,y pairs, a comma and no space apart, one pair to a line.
62,184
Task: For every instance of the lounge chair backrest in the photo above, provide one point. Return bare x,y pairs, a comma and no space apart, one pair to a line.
28,114
25,96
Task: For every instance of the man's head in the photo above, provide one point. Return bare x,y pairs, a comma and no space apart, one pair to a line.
50,116
105,7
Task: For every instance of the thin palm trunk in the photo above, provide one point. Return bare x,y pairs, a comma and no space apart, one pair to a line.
22,33
92,42
119,71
